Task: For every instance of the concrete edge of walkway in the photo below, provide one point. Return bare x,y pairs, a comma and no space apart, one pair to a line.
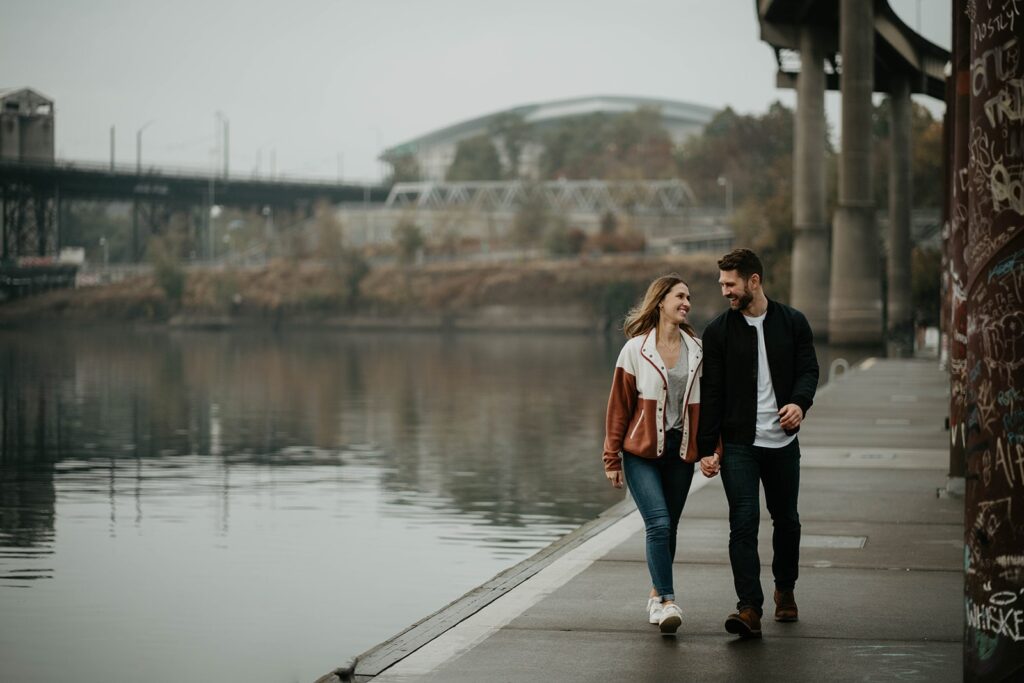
385,654
391,651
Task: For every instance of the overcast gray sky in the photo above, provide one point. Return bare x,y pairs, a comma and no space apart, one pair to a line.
309,80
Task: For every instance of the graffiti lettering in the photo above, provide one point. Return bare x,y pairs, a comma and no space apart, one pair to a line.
1000,339
982,151
1007,398
1002,60
1011,467
1011,268
962,176
991,515
1012,567
1013,424
1007,104
986,405
958,435
1003,598
1004,20
996,619
1007,188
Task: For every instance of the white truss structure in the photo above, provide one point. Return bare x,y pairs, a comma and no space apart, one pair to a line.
663,197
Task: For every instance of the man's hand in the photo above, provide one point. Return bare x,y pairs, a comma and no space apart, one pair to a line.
615,478
790,416
711,465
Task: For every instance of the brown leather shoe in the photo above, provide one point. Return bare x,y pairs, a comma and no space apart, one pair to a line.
745,623
785,606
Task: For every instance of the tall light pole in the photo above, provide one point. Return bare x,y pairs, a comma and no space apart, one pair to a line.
727,184
227,145
221,132
138,146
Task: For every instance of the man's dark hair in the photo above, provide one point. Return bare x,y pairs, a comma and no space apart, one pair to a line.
744,262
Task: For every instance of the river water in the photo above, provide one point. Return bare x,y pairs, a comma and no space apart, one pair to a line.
259,507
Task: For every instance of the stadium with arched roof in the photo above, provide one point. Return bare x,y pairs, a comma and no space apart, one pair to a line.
435,151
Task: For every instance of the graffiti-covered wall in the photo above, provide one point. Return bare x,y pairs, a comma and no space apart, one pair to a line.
989,228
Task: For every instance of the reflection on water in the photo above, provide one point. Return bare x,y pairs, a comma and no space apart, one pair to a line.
258,506
247,506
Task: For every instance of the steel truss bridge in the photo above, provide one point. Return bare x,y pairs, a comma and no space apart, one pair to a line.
34,196
661,197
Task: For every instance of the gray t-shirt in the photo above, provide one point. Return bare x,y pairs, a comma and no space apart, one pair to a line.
677,376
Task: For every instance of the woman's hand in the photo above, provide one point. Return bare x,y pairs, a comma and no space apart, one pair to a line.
615,477
711,465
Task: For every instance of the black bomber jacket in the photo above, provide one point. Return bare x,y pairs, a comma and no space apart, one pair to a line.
728,386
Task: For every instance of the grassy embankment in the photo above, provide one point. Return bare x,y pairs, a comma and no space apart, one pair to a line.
576,294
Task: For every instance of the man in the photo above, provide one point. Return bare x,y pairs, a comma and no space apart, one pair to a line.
760,375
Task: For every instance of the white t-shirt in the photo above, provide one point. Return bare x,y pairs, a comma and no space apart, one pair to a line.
768,433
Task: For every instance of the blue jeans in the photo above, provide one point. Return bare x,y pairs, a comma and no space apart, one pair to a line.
743,468
659,487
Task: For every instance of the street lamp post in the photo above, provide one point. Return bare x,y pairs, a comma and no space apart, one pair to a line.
138,147
215,211
268,224
727,184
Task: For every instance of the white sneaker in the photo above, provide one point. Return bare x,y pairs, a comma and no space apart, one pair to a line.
671,618
653,610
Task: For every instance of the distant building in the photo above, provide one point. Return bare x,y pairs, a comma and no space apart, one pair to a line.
26,125
435,151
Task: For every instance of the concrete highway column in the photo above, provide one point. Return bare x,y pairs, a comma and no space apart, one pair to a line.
900,321
855,294
809,284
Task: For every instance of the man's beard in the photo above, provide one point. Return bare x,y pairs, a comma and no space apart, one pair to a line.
743,301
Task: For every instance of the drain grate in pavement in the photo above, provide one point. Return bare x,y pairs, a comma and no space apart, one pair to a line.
836,542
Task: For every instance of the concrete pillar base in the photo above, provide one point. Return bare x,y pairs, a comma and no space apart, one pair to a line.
855,301
955,488
810,286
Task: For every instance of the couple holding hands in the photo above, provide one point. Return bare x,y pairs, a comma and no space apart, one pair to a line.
732,401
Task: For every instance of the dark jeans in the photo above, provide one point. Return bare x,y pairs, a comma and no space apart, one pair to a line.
659,487
779,470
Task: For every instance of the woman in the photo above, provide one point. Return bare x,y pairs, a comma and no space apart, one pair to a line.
651,427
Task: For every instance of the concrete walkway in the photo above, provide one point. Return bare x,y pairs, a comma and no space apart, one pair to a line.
880,590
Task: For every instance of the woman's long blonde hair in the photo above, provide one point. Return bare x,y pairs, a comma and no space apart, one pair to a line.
643,317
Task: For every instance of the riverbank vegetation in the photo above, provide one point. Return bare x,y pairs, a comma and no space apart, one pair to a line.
586,293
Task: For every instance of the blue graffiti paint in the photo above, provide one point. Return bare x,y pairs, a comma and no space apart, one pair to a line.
975,372
1009,396
1013,424
1007,266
